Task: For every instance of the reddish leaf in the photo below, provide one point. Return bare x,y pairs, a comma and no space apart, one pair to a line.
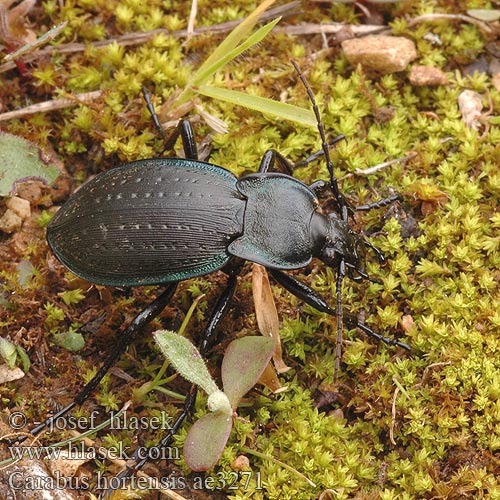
243,364
206,440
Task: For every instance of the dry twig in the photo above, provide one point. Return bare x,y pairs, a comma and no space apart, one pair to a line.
45,106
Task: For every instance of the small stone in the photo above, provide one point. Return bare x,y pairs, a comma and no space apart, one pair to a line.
9,374
427,75
407,322
380,53
30,190
19,206
10,222
470,105
240,463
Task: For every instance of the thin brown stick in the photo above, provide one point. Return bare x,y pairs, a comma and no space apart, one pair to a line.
393,417
192,19
131,39
43,107
454,17
376,168
329,29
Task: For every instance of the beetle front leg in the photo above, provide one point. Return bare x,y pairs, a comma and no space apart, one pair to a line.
309,296
380,203
302,291
270,158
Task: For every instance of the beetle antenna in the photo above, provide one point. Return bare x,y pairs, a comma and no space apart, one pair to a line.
343,213
324,145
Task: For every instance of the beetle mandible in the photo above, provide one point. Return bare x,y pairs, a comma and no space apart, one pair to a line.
164,220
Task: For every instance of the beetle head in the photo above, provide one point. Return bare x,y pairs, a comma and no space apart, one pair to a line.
342,242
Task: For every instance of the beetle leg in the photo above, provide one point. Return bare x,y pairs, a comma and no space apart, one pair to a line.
141,320
147,98
318,154
309,296
184,129
379,203
271,156
302,291
141,456
354,323
188,140
318,187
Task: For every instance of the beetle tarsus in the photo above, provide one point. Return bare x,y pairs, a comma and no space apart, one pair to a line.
380,203
147,98
354,323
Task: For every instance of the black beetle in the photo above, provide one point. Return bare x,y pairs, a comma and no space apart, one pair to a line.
165,220
170,219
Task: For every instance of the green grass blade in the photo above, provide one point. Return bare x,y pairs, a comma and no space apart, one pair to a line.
205,71
237,35
202,76
264,105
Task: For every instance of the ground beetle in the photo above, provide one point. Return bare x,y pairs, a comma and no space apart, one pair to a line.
165,220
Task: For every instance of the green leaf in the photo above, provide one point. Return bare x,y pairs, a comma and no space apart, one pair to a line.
20,160
244,362
279,109
228,50
70,340
235,37
186,359
206,440
207,71
8,352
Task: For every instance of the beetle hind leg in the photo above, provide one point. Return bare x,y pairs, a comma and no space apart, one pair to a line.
141,320
183,128
141,456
